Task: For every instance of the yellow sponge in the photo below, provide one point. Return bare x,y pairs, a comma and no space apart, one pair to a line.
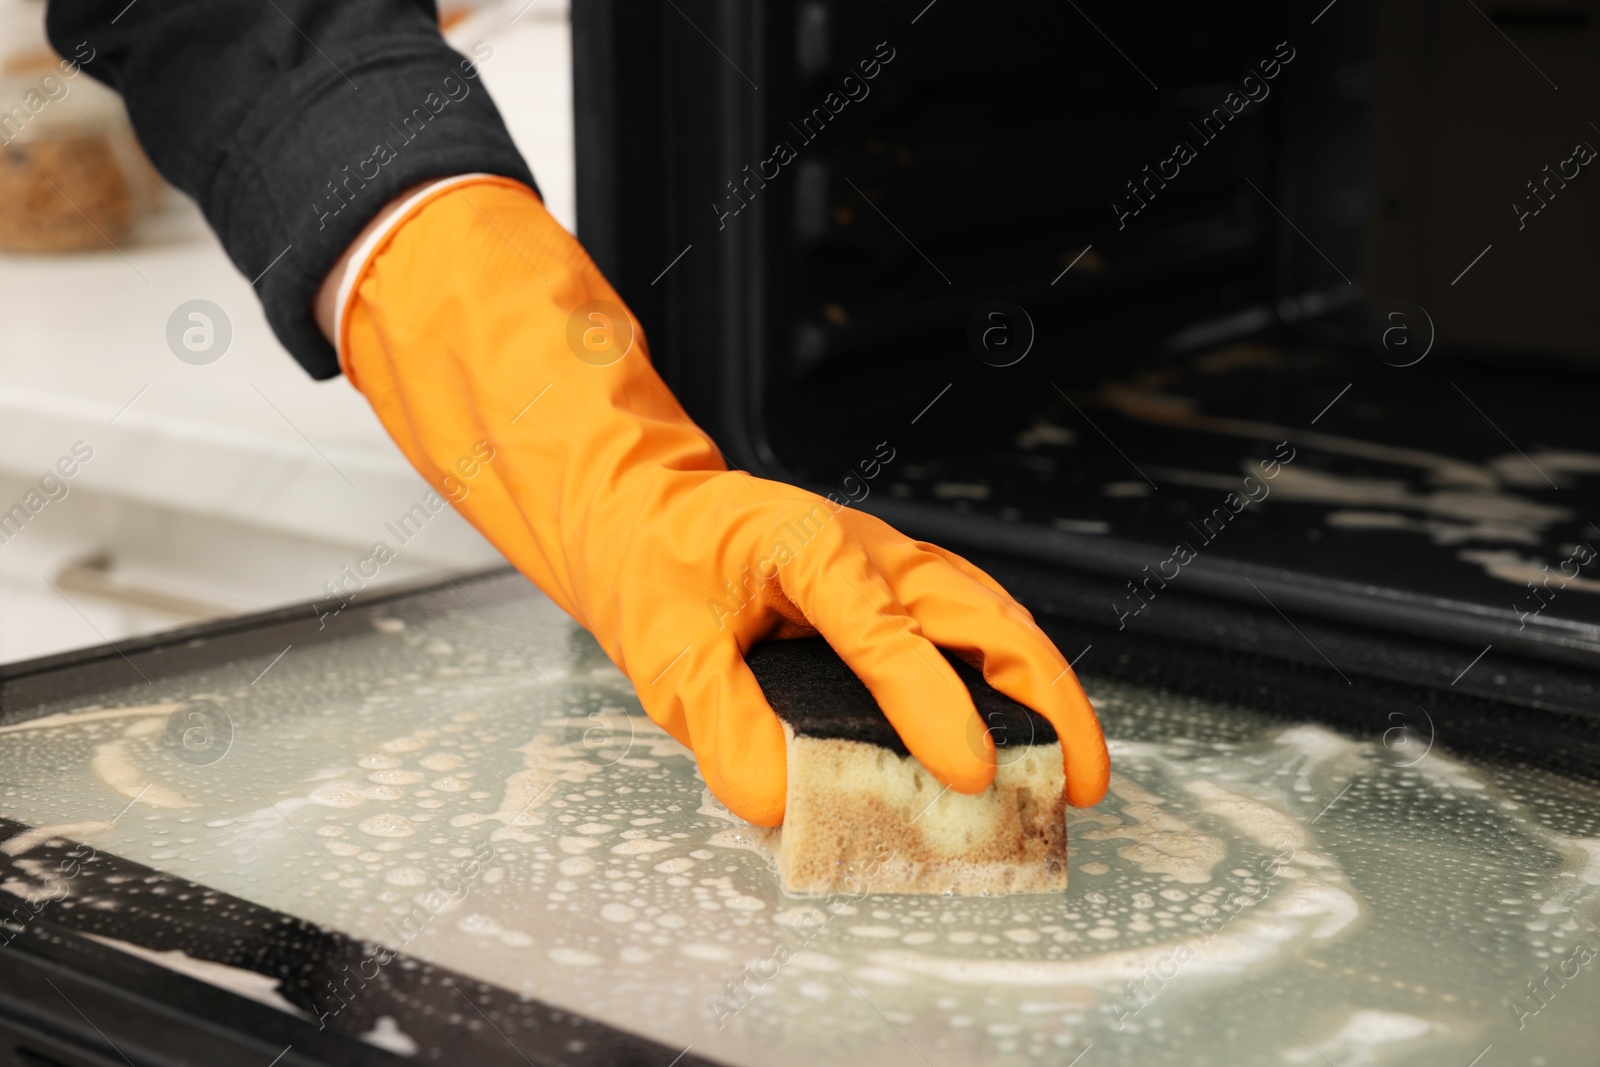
861,818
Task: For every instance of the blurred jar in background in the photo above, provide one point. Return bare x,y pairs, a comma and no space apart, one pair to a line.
72,176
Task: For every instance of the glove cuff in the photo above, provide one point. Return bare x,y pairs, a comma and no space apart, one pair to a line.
373,242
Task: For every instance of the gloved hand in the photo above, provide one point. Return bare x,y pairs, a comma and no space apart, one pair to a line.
474,318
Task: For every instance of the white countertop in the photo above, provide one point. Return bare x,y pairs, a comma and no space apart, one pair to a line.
250,440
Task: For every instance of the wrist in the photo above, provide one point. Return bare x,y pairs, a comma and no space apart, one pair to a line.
333,295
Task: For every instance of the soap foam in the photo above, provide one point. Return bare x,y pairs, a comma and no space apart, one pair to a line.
520,886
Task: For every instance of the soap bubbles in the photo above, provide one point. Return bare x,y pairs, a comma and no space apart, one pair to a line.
610,738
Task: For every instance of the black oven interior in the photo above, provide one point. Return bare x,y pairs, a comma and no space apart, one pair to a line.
1081,270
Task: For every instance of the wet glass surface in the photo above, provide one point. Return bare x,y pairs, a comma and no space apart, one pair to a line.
470,781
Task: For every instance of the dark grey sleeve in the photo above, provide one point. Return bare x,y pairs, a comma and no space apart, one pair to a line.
291,122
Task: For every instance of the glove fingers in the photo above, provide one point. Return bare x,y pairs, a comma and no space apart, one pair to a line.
853,607
964,615
737,738
966,567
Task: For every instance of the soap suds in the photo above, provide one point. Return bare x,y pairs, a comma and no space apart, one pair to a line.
114,767
1162,843
1514,567
1193,869
387,1035
88,715
257,987
17,844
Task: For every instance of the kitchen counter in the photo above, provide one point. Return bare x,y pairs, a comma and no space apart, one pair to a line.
235,485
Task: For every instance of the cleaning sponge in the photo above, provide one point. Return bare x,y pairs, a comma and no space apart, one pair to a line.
862,814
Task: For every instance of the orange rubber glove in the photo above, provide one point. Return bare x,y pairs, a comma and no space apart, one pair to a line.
473,319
